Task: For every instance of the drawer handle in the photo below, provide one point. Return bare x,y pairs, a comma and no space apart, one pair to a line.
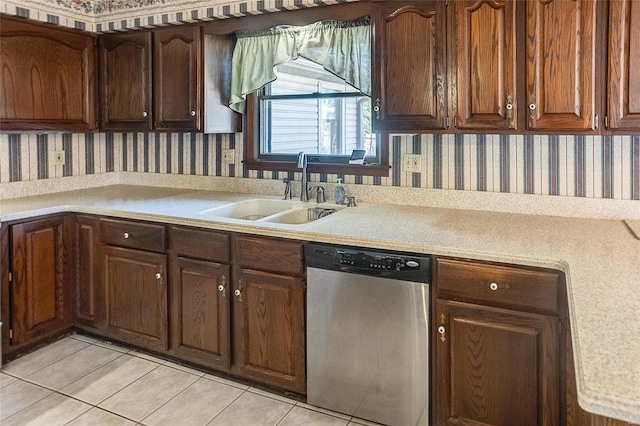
158,275
126,235
493,286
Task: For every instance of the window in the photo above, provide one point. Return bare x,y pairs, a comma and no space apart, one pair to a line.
308,109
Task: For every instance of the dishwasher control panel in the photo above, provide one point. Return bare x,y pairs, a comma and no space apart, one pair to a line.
413,267
367,260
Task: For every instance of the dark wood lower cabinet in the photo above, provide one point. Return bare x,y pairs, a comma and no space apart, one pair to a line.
496,366
88,279
200,312
136,297
41,299
269,329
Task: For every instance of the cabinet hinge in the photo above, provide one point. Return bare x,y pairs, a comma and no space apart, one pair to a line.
447,122
10,277
606,121
596,121
10,334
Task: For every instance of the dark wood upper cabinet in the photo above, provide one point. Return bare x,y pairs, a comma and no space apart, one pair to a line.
409,65
48,77
178,78
486,64
624,62
125,81
561,65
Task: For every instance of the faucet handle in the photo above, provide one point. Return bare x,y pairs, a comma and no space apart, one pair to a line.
287,188
351,202
320,198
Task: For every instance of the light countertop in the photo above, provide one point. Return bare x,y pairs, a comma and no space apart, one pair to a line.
600,258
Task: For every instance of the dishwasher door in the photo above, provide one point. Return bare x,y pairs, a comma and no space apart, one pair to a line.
368,346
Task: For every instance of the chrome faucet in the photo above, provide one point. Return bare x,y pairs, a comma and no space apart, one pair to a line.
302,163
320,198
287,188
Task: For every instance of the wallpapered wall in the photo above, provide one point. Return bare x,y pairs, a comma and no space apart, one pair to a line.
122,15
565,165
577,166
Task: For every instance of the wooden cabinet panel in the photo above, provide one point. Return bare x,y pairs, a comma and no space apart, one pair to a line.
89,289
269,329
409,65
496,367
624,63
200,312
561,64
269,254
136,297
41,298
48,77
200,244
178,78
124,233
125,81
501,286
486,64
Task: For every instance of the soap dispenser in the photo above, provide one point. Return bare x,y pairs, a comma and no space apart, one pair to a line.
339,193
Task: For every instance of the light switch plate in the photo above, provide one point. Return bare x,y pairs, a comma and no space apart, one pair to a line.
228,156
411,162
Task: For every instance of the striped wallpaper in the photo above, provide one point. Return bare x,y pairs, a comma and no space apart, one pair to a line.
564,165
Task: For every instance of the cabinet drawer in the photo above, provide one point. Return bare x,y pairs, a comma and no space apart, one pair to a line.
200,244
123,233
503,286
269,255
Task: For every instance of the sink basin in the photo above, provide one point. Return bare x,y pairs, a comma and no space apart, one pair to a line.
250,209
300,215
272,211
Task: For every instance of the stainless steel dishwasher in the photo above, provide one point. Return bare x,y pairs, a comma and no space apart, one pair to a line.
368,333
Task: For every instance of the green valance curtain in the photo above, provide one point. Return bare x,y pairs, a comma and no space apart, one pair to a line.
343,48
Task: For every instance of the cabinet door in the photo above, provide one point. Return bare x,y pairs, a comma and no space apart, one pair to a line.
41,299
624,63
200,316
495,366
89,290
125,81
409,65
48,77
269,329
177,78
486,64
136,297
561,64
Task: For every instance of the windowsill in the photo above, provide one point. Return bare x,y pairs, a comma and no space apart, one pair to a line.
333,168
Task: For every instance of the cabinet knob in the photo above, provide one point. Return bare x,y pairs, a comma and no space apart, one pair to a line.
238,293
493,286
145,113
442,331
158,275
376,108
193,113
532,107
126,235
509,107
222,287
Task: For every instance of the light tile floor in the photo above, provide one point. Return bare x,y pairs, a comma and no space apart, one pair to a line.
82,381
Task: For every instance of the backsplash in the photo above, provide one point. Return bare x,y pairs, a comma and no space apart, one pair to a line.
563,165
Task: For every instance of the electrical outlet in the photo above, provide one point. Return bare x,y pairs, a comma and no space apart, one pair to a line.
411,162
228,156
58,158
